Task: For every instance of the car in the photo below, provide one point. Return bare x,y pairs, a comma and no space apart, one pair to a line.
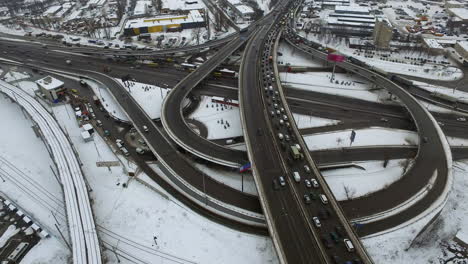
316,221
334,237
326,242
349,245
383,119
461,119
275,184
287,137
339,231
307,183
336,259
125,151
285,117
307,199
324,199
106,133
425,139
145,128
119,145
280,136
440,123
313,196
314,183
99,123
142,142
306,168
119,141
282,181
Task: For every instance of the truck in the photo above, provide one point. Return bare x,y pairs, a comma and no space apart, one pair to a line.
96,100
295,153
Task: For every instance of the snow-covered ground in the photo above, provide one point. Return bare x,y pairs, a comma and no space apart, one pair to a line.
429,71
431,247
222,121
452,93
294,57
351,183
305,121
344,84
139,214
364,137
36,164
13,76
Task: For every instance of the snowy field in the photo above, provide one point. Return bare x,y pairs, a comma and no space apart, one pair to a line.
306,121
432,246
139,214
222,121
13,143
364,137
452,93
294,57
350,183
343,84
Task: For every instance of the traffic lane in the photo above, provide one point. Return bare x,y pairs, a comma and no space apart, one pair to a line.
171,156
266,164
173,117
163,77
430,157
353,154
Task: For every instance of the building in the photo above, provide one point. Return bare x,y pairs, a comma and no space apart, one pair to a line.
166,23
383,33
86,136
52,11
459,13
453,4
245,12
433,46
50,87
350,21
141,8
88,128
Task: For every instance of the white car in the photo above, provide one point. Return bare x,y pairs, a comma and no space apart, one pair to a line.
307,183
461,119
316,221
314,183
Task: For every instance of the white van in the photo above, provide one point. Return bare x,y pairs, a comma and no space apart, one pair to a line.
125,151
323,198
349,245
297,176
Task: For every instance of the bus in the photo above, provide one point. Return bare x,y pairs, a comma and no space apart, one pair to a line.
221,100
188,66
18,251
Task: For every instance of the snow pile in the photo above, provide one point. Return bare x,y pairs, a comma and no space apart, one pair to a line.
305,121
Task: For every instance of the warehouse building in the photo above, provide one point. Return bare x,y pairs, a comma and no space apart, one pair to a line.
51,87
167,23
350,21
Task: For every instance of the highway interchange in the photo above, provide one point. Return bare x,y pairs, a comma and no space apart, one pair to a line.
288,217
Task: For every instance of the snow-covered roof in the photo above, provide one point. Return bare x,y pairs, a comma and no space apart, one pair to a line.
182,5
87,127
52,10
462,13
432,43
49,83
245,10
352,9
141,7
85,135
462,236
193,16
